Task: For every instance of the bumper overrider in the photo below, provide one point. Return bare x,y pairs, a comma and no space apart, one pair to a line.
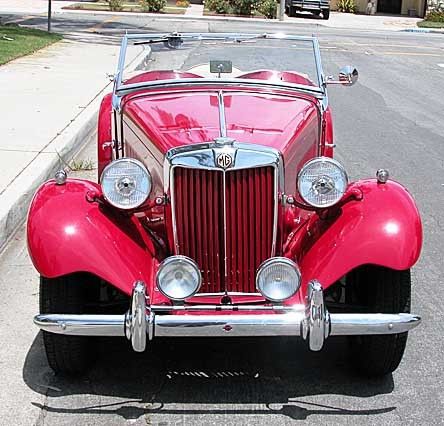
143,321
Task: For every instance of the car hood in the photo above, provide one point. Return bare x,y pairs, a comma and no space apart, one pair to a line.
177,119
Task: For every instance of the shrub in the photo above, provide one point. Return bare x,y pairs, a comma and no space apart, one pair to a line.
268,8
115,5
347,6
182,3
435,16
243,7
152,5
218,6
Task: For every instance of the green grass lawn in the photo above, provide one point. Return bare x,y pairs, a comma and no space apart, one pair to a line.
18,41
430,24
129,7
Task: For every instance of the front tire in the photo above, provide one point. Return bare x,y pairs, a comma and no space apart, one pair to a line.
326,14
375,289
68,355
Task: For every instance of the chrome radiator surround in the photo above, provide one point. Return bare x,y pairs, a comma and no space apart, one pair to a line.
311,321
204,157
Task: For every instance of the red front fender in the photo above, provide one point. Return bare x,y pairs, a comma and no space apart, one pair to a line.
67,233
383,228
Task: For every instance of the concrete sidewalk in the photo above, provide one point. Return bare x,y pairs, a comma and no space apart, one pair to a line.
31,6
362,22
49,111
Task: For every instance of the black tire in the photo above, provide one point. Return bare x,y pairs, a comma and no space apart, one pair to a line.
376,289
316,12
68,355
326,14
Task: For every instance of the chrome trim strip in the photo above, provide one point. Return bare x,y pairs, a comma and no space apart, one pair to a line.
230,308
224,189
230,293
202,82
222,120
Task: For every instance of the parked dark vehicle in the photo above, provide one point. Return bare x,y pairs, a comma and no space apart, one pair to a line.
314,6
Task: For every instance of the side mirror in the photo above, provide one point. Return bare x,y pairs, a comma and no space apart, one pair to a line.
348,76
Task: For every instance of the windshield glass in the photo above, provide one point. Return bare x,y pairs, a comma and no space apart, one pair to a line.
271,58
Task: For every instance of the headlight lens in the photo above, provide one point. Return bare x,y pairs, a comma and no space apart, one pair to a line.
278,279
178,277
126,183
322,182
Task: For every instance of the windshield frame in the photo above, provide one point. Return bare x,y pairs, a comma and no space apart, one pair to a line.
122,89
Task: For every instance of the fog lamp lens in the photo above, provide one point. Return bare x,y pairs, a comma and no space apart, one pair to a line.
178,277
278,279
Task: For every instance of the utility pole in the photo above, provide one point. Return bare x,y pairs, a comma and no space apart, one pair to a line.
281,10
49,16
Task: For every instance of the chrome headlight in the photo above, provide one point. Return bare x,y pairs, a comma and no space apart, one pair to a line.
178,277
126,183
278,279
322,182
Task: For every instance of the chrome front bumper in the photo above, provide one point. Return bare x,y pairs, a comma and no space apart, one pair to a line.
312,322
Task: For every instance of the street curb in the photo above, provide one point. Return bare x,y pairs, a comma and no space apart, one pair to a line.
424,30
61,150
178,17
57,154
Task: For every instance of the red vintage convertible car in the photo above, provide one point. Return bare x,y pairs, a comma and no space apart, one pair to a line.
220,211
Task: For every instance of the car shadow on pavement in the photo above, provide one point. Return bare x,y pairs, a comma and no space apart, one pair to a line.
179,376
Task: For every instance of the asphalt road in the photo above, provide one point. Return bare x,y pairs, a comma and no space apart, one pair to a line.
393,118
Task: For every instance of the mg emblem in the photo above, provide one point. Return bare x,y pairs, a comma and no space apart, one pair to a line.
224,160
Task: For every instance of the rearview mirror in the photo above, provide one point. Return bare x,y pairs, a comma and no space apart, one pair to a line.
348,76
219,67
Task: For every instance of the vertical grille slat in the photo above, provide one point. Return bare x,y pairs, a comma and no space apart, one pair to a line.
198,208
251,222
211,251
244,236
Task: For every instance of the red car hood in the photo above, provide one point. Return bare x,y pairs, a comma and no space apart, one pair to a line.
185,118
